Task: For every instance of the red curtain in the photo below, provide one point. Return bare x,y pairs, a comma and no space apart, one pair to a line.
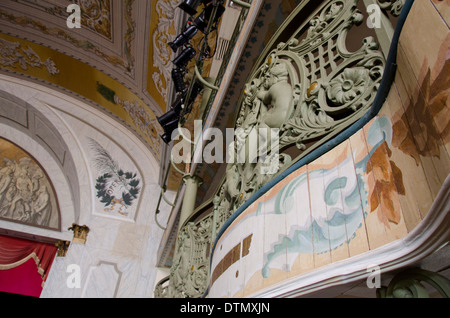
20,262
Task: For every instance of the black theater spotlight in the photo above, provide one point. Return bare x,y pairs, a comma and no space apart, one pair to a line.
190,6
196,89
168,131
178,80
185,56
184,37
203,18
200,23
178,105
169,121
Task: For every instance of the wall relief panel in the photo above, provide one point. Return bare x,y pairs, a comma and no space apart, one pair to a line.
26,193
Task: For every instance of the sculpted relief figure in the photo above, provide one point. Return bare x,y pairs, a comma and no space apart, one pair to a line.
277,93
267,106
6,176
24,196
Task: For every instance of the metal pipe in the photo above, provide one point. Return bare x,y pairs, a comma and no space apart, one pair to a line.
203,81
242,3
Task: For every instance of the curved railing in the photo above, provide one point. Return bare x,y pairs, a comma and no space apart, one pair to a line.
324,93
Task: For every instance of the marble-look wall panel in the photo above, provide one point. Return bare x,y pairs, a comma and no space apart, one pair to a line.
14,111
119,256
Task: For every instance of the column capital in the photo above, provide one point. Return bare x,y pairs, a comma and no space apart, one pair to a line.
194,179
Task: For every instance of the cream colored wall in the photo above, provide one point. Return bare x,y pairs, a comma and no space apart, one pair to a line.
119,257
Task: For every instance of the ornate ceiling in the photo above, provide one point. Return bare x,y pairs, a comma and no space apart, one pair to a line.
118,60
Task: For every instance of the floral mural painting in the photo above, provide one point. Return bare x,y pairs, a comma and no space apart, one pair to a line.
325,205
26,193
342,195
428,115
388,185
317,233
117,190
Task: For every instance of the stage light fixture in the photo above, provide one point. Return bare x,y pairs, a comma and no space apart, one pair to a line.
168,117
185,56
190,6
169,120
196,89
184,37
203,19
178,80
168,131
200,23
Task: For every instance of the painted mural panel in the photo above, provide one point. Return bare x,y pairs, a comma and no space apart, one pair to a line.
26,193
318,215
369,191
118,183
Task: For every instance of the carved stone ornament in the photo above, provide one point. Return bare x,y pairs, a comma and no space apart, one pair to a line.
79,233
301,93
309,88
395,6
189,271
26,193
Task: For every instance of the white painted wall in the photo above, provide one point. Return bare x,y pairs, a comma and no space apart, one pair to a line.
119,257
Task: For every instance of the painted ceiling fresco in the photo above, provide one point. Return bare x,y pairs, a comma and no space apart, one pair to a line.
117,60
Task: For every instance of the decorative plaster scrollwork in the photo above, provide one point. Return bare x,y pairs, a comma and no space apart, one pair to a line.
309,87
90,17
162,54
95,14
189,272
395,6
141,118
13,55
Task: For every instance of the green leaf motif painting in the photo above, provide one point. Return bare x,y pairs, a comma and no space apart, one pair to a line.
116,189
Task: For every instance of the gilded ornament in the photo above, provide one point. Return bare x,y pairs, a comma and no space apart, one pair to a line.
311,89
80,233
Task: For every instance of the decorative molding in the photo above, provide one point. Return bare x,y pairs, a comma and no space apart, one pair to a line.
95,14
309,88
79,233
103,281
126,63
63,247
141,119
12,54
395,6
162,54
